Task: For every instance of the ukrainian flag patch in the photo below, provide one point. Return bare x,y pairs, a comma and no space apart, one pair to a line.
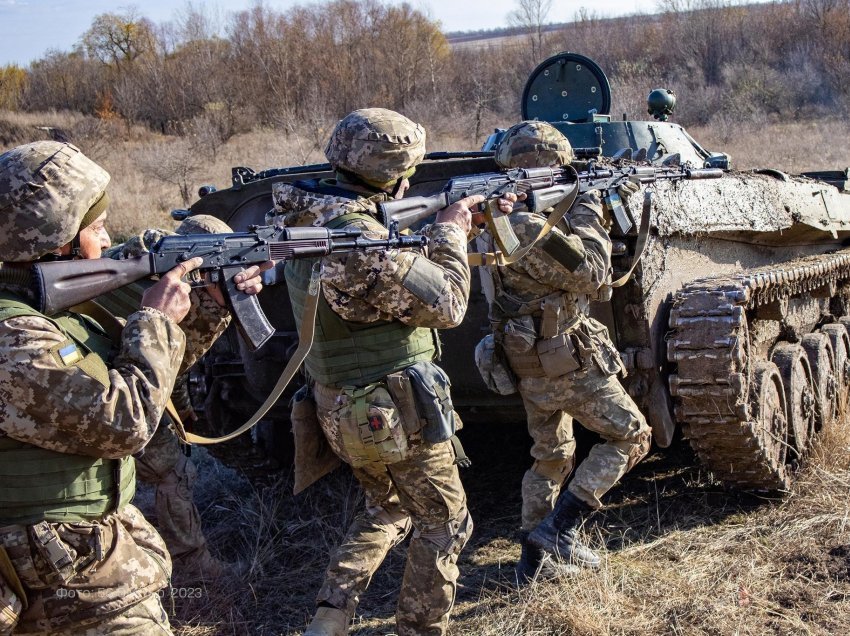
69,354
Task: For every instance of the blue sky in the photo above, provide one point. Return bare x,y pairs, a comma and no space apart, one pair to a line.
28,28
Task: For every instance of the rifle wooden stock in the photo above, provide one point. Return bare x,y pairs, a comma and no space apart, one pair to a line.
408,212
60,285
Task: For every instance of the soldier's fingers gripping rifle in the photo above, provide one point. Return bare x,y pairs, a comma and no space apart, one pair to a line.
545,188
63,284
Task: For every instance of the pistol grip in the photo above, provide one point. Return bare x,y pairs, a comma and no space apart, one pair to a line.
250,319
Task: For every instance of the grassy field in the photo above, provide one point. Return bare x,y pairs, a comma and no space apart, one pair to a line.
682,555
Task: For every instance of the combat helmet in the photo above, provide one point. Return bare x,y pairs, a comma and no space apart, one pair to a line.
48,192
377,145
531,144
203,224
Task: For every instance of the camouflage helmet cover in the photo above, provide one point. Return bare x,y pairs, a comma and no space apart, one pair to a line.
46,189
378,145
203,224
143,242
533,144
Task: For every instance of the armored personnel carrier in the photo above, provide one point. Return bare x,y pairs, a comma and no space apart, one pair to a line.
732,324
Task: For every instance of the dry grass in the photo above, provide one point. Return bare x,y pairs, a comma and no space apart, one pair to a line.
682,555
794,147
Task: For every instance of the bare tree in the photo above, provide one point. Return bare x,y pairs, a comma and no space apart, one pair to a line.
532,15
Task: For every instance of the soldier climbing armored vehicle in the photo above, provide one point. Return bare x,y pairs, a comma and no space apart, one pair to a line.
731,325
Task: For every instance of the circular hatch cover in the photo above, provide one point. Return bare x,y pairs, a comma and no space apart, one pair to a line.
564,88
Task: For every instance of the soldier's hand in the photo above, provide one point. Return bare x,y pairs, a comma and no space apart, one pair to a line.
170,294
504,204
627,189
248,281
460,213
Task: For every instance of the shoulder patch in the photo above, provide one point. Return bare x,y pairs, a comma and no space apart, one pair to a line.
67,352
423,281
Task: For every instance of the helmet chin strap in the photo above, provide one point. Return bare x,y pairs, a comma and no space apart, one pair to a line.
76,249
397,187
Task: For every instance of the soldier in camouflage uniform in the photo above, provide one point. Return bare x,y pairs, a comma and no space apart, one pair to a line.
373,349
164,462
73,408
564,361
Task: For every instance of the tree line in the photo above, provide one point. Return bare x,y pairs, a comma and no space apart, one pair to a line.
306,67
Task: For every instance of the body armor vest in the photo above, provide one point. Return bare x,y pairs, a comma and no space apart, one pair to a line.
37,484
346,353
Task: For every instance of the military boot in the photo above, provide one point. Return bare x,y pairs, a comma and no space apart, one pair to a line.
557,534
328,621
529,561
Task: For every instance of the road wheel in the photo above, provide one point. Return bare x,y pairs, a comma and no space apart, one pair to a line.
796,375
819,352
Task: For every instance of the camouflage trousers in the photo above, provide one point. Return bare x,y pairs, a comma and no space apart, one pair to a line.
177,519
423,491
118,565
600,403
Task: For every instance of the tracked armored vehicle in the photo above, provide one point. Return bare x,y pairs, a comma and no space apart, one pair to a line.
732,325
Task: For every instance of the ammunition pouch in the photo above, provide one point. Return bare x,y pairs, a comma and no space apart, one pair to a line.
558,356
576,344
494,369
519,334
431,390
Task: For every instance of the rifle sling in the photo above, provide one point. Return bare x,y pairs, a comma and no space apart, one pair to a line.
305,342
643,237
498,258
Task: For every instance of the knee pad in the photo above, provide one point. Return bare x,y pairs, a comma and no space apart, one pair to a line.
450,537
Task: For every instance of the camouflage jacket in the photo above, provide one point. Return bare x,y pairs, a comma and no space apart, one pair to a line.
59,407
539,274
370,286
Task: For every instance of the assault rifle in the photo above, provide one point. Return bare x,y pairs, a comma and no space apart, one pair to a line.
63,284
544,187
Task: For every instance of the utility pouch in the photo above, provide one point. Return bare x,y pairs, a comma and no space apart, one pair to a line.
370,426
494,370
551,316
600,348
558,356
401,390
431,386
12,597
314,457
519,335
56,558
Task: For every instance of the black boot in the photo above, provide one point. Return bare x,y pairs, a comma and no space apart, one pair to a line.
557,533
529,561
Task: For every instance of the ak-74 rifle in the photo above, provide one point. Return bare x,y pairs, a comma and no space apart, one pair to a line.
63,284
545,188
